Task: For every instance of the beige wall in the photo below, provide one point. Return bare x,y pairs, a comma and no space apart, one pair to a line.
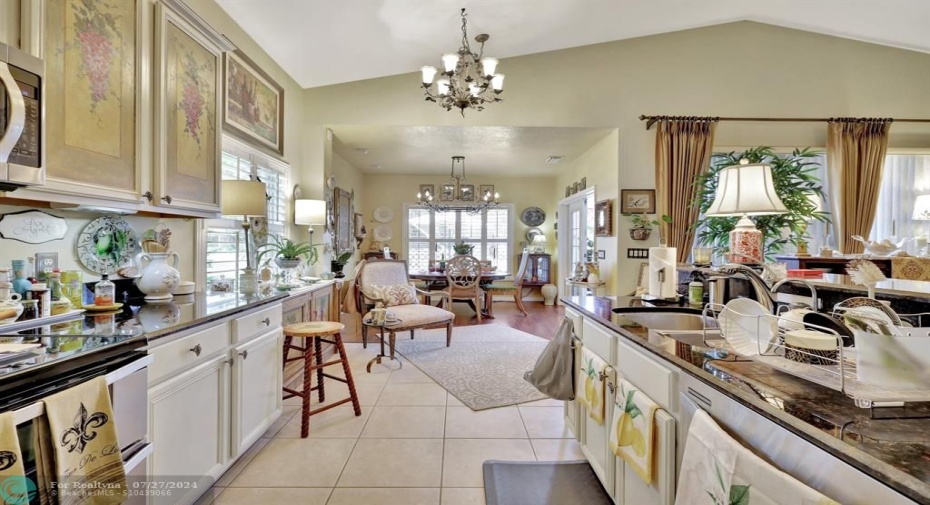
393,191
737,69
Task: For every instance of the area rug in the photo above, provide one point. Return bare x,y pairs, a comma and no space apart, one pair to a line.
484,366
542,483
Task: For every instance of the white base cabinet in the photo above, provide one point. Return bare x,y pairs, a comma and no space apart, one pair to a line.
595,437
256,389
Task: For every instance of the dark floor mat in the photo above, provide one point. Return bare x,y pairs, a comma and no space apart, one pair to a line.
542,483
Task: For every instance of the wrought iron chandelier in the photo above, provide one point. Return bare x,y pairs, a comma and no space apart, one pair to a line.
457,194
466,79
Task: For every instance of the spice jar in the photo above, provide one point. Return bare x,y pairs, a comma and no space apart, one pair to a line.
30,310
40,293
104,292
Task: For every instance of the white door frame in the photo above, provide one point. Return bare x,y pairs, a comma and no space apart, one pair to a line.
564,246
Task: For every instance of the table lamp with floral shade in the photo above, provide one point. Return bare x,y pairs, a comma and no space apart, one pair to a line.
746,190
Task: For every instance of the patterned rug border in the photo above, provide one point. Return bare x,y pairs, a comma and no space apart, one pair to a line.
500,353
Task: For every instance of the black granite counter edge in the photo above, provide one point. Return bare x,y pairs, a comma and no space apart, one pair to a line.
901,482
201,321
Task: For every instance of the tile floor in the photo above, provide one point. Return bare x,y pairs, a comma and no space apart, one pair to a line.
414,444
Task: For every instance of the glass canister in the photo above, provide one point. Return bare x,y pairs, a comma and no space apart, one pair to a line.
30,310
72,287
54,285
104,291
39,292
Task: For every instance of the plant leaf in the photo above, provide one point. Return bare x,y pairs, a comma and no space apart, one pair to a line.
739,495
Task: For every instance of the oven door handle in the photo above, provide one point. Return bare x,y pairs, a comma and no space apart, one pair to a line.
17,122
37,409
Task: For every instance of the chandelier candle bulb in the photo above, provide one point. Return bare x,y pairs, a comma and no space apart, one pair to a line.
497,82
449,62
489,65
429,73
442,85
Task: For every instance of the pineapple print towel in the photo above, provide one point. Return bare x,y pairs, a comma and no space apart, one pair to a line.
632,437
88,461
13,485
716,469
591,385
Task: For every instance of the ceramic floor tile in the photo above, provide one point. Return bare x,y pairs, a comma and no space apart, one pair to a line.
503,422
452,401
409,373
462,496
394,463
337,422
463,458
384,496
557,449
412,395
405,422
240,465
209,498
284,495
368,393
289,462
548,402
545,422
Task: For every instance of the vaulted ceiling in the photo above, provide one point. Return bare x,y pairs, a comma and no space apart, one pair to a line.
322,42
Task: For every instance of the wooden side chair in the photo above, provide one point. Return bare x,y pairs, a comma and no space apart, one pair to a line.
463,275
515,289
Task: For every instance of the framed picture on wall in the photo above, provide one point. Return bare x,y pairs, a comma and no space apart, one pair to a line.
603,218
427,192
467,192
638,201
486,191
448,193
253,105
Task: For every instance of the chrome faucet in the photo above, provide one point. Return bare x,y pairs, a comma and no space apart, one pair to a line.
763,295
815,302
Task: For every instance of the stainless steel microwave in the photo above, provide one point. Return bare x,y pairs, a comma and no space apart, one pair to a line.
21,119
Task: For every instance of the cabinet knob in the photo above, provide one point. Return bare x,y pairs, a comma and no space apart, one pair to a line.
267,321
196,350
148,196
167,199
244,354
229,361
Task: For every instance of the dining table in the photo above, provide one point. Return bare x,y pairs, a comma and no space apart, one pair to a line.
436,281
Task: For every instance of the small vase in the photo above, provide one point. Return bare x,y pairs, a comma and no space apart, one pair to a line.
158,278
336,267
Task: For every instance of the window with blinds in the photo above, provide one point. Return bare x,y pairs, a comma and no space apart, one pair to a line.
225,245
432,235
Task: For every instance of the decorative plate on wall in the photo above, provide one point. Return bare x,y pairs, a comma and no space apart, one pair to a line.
106,244
533,216
383,233
383,214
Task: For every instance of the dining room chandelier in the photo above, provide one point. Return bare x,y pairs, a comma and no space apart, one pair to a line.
468,80
458,194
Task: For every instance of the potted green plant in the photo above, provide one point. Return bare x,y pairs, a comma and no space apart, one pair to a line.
288,253
794,181
339,262
462,248
642,225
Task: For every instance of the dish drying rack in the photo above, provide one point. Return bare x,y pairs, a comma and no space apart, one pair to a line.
839,374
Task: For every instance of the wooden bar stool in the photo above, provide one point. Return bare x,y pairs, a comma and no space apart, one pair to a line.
313,333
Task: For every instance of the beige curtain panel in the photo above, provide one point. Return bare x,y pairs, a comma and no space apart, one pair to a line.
683,150
856,150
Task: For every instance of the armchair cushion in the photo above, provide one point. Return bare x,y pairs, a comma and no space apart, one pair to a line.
417,316
393,295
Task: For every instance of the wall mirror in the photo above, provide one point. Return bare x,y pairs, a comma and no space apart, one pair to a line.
343,217
603,218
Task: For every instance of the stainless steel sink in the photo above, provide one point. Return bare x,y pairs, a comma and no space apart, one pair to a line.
685,326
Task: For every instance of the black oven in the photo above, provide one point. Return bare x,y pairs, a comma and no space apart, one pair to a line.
21,119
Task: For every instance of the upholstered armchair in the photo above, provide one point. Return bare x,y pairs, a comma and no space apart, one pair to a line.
385,281
463,278
516,289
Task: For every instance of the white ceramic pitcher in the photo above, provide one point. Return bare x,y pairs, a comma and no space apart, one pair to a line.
158,278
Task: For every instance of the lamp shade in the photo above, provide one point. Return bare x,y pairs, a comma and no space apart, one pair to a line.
243,198
309,212
922,208
539,239
746,190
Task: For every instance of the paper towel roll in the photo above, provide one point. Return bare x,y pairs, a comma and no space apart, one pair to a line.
663,258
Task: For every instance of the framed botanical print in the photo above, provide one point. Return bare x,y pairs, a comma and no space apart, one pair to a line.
427,191
188,84
486,191
603,218
639,201
91,96
253,104
448,193
467,192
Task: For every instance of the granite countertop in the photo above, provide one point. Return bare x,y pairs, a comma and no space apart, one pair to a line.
894,451
891,287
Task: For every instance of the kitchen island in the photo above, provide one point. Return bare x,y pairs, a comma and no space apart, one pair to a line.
893,452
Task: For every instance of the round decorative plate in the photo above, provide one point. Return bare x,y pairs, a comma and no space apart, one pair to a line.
533,216
383,214
383,233
106,244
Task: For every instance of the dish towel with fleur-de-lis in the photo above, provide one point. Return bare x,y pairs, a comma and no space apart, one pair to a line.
632,436
716,468
88,463
590,387
13,485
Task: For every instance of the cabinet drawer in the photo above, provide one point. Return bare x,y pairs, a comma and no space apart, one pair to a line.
644,372
576,320
256,323
182,353
601,341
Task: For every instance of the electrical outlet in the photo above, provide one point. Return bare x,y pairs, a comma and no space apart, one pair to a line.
601,254
637,253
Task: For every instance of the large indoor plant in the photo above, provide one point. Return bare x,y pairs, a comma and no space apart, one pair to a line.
794,180
288,253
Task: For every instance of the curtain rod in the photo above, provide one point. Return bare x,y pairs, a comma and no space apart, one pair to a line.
651,120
